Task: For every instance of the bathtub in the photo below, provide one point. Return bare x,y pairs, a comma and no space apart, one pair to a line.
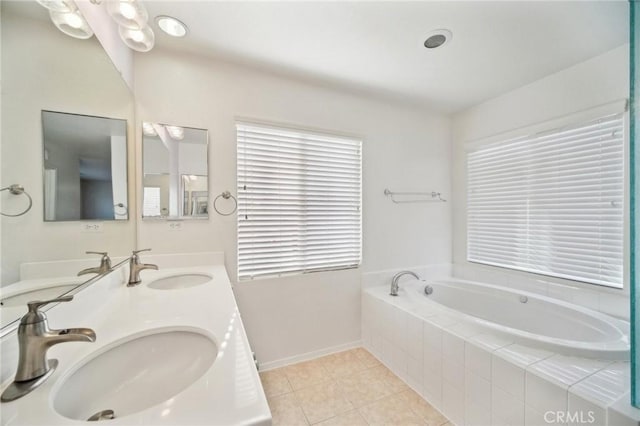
526,318
489,355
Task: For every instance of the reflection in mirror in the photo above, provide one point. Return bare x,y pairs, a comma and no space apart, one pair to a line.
175,172
13,303
635,202
45,69
85,167
14,298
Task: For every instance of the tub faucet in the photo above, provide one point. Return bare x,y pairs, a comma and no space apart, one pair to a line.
135,267
394,281
105,264
34,340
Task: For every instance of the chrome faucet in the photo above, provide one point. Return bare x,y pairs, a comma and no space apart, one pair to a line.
394,281
34,340
105,264
135,267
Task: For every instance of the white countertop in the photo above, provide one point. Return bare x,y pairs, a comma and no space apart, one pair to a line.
229,393
47,287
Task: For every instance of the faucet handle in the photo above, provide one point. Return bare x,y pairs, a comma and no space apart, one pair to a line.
138,251
105,261
35,305
35,315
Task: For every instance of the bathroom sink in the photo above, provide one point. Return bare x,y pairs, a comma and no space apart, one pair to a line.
180,281
134,375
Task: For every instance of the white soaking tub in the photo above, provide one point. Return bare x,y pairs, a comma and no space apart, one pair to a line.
527,318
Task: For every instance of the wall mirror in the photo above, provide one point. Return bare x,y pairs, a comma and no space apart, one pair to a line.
175,172
635,203
85,167
44,69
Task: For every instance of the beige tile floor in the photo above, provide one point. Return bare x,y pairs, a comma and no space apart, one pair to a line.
346,388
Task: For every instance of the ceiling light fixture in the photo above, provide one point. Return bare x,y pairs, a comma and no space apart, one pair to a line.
128,13
175,132
132,18
171,26
71,23
141,40
438,38
148,129
56,5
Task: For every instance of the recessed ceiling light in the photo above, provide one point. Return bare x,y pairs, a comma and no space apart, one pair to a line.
171,26
438,38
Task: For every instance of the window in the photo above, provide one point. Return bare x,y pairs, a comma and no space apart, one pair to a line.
299,198
551,203
151,203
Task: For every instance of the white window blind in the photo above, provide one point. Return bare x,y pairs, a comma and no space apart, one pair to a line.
299,198
551,203
151,201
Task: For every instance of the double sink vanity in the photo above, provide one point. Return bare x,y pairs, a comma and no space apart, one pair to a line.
170,347
170,350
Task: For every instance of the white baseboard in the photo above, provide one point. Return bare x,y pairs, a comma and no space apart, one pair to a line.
308,356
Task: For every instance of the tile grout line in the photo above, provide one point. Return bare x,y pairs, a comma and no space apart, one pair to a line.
336,382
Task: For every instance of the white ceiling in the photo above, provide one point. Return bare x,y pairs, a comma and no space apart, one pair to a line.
377,47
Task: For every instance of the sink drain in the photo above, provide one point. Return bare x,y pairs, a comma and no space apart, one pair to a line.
102,415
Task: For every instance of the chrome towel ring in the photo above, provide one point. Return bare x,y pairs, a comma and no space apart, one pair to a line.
121,206
226,195
17,189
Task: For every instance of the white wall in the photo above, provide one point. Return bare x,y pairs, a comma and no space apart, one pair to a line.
119,176
192,159
43,68
404,149
106,30
155,157
586,85
66,162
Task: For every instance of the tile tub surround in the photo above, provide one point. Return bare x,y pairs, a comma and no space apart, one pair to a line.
344,388
426,272
610,301
477,378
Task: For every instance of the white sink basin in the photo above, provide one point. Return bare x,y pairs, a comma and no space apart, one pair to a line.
179,281
135,375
